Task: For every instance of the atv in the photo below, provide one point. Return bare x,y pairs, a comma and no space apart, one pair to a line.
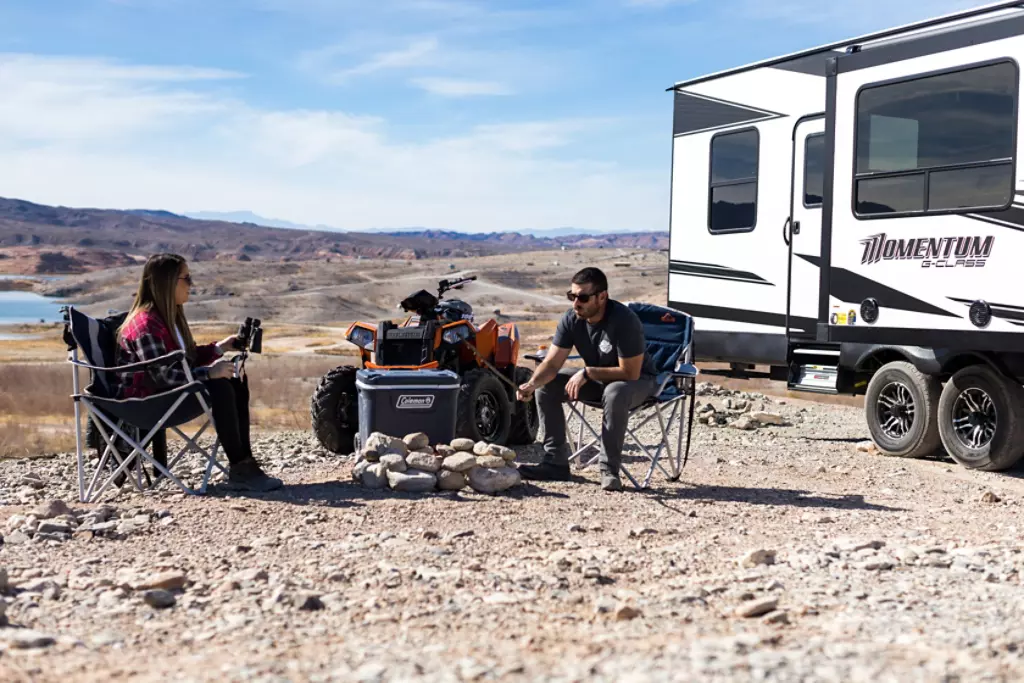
438,334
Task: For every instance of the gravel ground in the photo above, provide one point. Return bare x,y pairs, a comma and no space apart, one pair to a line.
786,553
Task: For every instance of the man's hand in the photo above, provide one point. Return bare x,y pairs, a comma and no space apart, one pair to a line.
525,392
222,369
575,383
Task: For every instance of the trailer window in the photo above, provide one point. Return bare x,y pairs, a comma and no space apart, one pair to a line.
814,170
942,143
732,195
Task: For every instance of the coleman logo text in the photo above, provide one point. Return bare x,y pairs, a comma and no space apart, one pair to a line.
932,252
408,402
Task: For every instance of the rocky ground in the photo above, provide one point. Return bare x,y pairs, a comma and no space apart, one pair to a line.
787,552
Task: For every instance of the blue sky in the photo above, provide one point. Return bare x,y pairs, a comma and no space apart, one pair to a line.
450,114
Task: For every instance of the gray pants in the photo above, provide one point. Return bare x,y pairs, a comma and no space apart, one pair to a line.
616,399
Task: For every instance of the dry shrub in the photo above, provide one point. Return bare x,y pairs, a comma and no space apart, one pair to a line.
19,439
37,389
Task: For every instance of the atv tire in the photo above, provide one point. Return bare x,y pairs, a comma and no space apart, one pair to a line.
525,417
484,412
334,410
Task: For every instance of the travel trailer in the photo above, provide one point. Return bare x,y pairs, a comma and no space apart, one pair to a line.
851,216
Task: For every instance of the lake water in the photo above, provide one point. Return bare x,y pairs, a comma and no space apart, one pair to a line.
27,307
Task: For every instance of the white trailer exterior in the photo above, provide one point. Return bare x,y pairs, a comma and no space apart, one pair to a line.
852,215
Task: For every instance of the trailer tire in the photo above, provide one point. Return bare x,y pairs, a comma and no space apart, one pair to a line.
901,406
981,419
334,410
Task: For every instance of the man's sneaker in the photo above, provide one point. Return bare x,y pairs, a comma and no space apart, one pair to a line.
247,476
610,482
545,471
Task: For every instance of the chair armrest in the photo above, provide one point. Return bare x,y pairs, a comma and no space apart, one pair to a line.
195,387
162,360
685,370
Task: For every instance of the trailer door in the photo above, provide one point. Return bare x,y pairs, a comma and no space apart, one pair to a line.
803,231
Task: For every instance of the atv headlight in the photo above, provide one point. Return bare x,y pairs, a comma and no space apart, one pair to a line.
361,337
456,334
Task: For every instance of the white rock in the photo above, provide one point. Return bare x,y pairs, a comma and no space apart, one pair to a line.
159,599
768,418
393,462
450,481
51,509
26,639
744,422
375,476
481,448
463,445
493,480
444,450
172,580
412,481
490,461
417,441
428,462
357,471
756,558
460,462
757,607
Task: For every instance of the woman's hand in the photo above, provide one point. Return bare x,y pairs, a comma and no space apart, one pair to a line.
222,369
227,343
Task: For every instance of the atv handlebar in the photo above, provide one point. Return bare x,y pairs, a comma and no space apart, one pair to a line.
444,285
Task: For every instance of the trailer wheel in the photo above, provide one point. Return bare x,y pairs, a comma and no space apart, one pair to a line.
981,419
525,417
334,410
484,412
900,407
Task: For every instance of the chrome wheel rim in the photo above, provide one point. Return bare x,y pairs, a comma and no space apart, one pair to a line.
896,410
974,418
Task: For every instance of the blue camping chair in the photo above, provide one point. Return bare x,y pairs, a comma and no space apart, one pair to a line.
130,428
669,337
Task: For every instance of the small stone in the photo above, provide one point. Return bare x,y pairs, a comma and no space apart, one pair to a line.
17,538
481,448
4,581
451,481
627,613
853,546
644,531
417,441
375,476
33,480
311,603
989,497
428,462
867,447
53,527
576,528
254,574
371,455
490,461
493,480
412,481
359,469
168,581
459,462
159,599
878,564
463,445
51,509
393,462
444,450
756,558
26,639
503,452
776,617
768,418
756,607
744,422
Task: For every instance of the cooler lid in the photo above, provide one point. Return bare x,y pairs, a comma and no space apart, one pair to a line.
406,378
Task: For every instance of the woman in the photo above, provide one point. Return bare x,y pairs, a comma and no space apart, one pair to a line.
156,326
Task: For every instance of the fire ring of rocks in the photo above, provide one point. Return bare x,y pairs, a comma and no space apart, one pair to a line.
412,465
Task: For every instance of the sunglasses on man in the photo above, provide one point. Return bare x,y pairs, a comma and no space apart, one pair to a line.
583,298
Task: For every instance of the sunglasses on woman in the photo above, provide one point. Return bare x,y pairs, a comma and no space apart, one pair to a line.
187,278
583,298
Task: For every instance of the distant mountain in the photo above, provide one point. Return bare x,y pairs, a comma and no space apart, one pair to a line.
250,218
116,236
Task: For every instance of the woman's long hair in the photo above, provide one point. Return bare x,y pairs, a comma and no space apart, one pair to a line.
156,294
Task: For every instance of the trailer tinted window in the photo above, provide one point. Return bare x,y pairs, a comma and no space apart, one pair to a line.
938,143
732,195
814,170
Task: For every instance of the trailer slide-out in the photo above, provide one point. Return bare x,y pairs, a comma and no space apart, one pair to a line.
851,216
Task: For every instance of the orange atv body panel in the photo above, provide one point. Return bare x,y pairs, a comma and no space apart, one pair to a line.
507,351
486,340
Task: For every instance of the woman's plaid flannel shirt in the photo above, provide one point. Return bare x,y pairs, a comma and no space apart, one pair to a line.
147,337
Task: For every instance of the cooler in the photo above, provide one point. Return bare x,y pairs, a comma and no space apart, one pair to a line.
400,402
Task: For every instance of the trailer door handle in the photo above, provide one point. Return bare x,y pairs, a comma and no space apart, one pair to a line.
785,234
796,227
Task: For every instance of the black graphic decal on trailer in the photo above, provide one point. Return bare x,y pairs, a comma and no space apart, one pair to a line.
739,315
715,272
1004,311
853,288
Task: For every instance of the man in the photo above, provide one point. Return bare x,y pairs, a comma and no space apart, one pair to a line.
618,374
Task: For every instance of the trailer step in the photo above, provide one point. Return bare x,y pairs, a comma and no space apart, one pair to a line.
821,379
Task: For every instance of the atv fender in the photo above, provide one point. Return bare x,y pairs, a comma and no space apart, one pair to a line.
507,352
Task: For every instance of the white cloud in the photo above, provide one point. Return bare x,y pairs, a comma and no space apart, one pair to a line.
84,135
415,54
460,87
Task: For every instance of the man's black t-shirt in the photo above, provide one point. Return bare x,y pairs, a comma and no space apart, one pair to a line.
619,334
